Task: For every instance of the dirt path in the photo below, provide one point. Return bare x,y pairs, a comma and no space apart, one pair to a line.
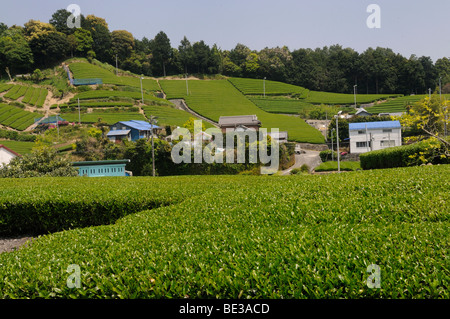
310,158
13,243
181,105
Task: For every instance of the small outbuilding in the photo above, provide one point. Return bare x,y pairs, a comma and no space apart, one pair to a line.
102,168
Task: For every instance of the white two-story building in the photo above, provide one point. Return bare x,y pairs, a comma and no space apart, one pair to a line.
372,136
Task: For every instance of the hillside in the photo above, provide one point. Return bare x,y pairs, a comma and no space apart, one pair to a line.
215,98
120,97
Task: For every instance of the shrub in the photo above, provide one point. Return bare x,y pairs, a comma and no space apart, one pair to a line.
327,155
427,151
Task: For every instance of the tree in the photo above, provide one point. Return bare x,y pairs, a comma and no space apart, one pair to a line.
443,70
162,52
122,44
84,41
189,124
100,35
429,116
43,161
3,28
47,44
201,56
15,52
186,54
59,21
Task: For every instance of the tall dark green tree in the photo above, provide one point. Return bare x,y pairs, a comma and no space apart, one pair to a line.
186,54
201,56
101,36
59,21
162,52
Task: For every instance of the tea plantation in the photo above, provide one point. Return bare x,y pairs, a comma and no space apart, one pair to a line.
231,236
216,98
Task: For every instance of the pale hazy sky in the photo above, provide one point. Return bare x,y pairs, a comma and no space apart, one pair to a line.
407,26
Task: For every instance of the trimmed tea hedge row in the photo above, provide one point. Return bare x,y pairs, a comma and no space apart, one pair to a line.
238,236
15,117
401,156
33,207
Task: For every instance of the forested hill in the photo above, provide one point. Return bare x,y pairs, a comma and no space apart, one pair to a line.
332,69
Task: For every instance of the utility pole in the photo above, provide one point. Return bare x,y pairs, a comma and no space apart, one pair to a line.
142,92
153,145
445,121
440,90
117,67
354,93
337,141
187,86
57,125
264,85
79,113
332,146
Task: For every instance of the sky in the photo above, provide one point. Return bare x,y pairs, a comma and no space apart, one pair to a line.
406,26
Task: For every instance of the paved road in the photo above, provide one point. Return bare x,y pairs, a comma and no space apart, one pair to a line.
310,158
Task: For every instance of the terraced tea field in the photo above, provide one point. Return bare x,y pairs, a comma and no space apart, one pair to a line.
82,70
256,87
170,116
102,95
279,105
315,97
398,104
259,237
109,117
15,117
31,95
215,98
18,146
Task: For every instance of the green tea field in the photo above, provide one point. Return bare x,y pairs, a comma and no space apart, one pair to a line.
215,98
15,117
83,70
106,116
259,237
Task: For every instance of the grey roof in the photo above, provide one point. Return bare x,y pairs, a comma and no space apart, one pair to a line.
118,132
362,110
282,134
246,120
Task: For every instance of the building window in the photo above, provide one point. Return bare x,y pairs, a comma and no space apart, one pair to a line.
363,144
387,143
361,132
387,131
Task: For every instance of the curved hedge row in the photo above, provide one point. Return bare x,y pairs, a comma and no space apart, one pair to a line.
42,205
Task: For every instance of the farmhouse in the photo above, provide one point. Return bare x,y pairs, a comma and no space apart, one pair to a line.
6,155
102,168
131,130
362,112
239,123
371,136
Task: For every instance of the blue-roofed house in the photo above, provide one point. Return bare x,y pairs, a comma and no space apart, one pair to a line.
131,130
372,136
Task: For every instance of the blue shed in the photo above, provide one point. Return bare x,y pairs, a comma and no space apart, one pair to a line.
102,168
138,129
